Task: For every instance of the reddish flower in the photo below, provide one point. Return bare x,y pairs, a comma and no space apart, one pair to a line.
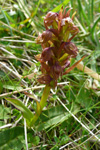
44,37
47,53
71,49
56,70
50,18
66,65
45,79
57,48
45,68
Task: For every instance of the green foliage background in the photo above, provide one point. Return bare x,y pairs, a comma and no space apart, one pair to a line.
20,23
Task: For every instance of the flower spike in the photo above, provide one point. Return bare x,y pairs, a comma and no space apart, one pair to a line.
57,46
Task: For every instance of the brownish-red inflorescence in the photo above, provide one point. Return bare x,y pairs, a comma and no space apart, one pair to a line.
57,46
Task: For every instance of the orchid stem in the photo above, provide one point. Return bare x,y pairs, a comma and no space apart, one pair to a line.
41,105
44,96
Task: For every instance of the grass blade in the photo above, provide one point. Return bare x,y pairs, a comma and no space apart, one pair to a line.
93,28
82,12
64,3
6,20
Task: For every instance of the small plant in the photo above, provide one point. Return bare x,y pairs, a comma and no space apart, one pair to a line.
55,107
55,57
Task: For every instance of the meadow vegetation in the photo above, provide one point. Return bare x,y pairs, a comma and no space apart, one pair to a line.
70,118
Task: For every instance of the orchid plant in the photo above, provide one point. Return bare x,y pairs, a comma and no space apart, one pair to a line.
55,57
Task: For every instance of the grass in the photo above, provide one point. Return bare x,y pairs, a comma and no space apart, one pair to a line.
71,118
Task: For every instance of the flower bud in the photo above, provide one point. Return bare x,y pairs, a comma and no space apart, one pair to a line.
66,65
44,67
71,49
47,54
73,30
67,21
44,37
56,70
50,18
45,79
68,27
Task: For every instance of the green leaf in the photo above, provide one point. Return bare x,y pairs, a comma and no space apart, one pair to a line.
4,112
54,116
64,3
84,97
10,136
25,111
36,140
